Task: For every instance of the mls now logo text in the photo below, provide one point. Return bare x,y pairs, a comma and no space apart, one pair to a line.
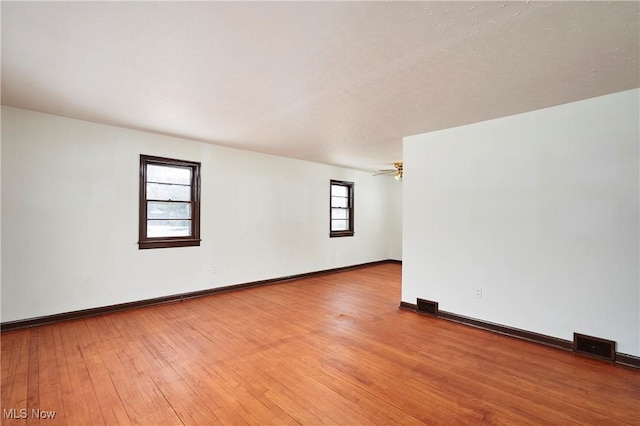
23,413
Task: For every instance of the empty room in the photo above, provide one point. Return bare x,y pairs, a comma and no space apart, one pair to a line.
311,213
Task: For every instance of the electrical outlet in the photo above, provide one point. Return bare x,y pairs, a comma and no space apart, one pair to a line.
478,293
214,269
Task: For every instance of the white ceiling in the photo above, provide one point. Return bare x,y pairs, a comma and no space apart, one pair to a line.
337,82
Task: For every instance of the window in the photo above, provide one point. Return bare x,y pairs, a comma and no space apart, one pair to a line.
341,209
169,203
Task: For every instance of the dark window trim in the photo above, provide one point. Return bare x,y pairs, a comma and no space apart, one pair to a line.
350,187
145,242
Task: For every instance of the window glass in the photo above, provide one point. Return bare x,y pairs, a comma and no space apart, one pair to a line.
166,174
163,191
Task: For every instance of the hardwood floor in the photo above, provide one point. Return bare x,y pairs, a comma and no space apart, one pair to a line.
333,349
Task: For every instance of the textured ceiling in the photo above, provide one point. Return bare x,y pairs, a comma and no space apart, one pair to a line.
338,82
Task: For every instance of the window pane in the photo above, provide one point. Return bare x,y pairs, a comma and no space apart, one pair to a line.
163,191
168,228
339,214
339,225
339,202
339,190
166,174
160,210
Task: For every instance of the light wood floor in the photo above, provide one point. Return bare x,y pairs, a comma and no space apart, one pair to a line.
333,349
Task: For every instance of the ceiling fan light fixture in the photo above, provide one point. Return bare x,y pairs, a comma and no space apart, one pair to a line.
398,166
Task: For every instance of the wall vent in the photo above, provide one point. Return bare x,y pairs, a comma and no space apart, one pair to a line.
427,307
594,347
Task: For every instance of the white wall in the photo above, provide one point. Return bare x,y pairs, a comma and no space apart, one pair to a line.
70,217
395,219
540,211
0,222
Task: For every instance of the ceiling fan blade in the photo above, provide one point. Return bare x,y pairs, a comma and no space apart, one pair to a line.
397,171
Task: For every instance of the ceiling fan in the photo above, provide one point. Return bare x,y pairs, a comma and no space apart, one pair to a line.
397,171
